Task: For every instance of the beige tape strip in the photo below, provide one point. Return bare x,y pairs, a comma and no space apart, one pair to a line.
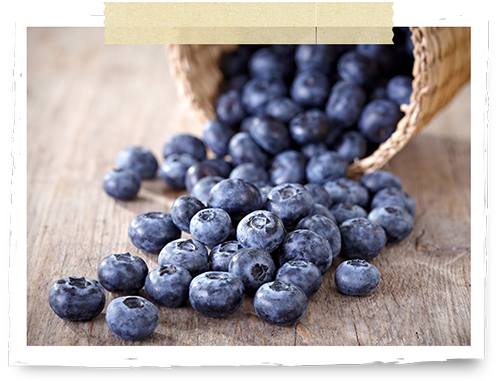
248,23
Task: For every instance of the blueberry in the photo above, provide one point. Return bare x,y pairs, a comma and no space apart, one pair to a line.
243,149
168,286
377,180
151,231
393,197
325,167
280,303
261,229
266,63
357,68
352,145
356,277
322,210
382,54
396,221
229,109
173,169
270,134
378,92
122,273
285,51
184,143
361,239
236,196
379,120
302,274
345,211
210,226
290,202
198,171
283,109
77,299
247,122
258,91
202,188
235,83
216,293
306,245
288,167
312,149
138,159
122,184
264,188
399,89
309,127
319,194
222,166
310,88
221,254
254,267
216,136
187,253
183,209
347,190
345,102
249,172
132,318
236,62
315,57
326,228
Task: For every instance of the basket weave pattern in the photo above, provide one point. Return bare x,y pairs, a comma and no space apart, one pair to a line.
442,66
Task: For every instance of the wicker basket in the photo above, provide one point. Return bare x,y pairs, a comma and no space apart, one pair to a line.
442,66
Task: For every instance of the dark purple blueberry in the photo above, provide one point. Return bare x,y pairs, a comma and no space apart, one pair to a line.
138,159
151,231
377,92
280,303
319,194
399,89
352,145
302,274
345,211
283,109
229,110
210,226
379,120
326,228
168,286
357,68
122,273
183,209
219,257
173,169
306,245
77,299
347,190
184,143
216,293
202,188
380,179
216,136
322,210
290,202
310,88
325,167
361,239
258,91
356,277
309,127
132,318
122,184
264,188
249,172
288,167
382,54
236,62
345,104
267,63
187,253
247,122
261,229
270,134
285,51
311,149
396,221
235,83
222,166
394,197
243,149
254,267
198,171
315,57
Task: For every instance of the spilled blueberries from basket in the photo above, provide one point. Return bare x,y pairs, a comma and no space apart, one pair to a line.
269,204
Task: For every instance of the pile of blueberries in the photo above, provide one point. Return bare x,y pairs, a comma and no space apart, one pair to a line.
273,209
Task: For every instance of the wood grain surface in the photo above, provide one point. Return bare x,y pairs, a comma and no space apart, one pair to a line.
87,100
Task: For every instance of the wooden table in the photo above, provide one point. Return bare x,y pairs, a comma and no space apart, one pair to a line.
87,100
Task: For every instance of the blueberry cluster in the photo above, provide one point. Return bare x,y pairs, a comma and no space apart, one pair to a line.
270,213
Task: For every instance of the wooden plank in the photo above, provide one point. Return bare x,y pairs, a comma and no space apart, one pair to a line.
87,100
